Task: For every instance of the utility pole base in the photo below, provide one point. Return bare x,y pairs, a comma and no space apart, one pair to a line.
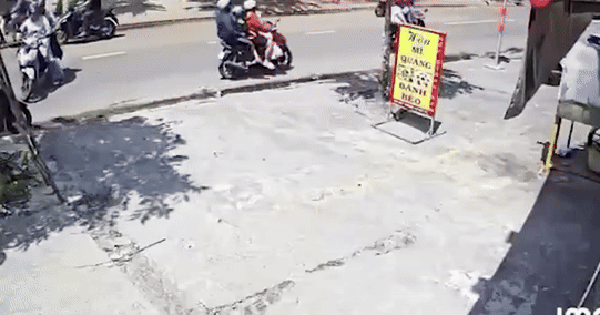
495,67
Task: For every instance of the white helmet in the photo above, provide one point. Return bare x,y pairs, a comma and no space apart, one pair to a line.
249,4
222,4
237,10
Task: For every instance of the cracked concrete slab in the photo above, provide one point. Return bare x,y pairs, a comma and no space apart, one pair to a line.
302,180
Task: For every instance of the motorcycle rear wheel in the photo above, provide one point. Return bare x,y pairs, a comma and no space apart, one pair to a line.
108,28
287,58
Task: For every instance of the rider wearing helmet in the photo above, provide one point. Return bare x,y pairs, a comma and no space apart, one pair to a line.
228,28
398,10
92,14
39,24
263,39
20,12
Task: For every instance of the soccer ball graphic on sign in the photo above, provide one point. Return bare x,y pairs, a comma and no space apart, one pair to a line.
422,79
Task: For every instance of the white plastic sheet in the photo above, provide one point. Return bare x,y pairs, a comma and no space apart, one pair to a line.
580,81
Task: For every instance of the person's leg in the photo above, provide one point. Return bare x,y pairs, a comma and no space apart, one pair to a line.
269,46
55,68
86,19
261,44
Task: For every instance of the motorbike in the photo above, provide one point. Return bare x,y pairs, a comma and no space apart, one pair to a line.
70,25
31,62
10,28
234,60
412,16
419,16
380,9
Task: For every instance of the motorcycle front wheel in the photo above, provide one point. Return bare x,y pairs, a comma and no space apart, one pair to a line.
226,69
26,87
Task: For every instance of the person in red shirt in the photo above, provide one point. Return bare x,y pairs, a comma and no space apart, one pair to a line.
261,32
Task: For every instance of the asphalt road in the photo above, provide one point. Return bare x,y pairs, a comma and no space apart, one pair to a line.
158,63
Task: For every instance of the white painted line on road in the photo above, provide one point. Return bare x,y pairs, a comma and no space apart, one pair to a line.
212,42
320,32
476,22
117,53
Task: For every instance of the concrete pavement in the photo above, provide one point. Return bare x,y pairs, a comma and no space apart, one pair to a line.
47,279
309,210
298,180
154,64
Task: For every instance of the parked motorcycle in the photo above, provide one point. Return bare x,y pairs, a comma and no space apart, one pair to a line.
31,62
234,60
70,25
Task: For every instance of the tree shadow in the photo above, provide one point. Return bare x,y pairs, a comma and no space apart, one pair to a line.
490,54
366,86
136,7
452,84
97,165
47,87
267,7
554,255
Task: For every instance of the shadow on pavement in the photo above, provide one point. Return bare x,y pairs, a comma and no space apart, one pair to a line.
268,7
42,93
367,86
553,257
135,7
491,54
453,84
97,165
76,41
260,72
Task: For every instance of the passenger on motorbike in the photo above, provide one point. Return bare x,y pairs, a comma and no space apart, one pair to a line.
228,28
20,13
400,10
38,25
56,70
260,31
92,14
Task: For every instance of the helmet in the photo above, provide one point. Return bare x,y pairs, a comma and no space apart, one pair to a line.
237,10
249,4
36,6
222,4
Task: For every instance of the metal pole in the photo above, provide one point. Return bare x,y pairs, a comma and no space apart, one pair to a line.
385,77
570,134
496,65
498,48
